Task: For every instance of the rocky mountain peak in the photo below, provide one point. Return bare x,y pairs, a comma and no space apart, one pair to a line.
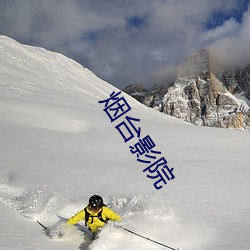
200,96
196,64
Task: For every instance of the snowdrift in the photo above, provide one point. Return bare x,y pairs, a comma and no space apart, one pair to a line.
58,147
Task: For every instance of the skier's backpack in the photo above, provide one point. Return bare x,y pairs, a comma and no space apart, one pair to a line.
88,216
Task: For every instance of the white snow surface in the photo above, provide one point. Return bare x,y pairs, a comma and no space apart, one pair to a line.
58,147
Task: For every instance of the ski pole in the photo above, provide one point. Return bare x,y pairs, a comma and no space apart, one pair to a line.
149,239
45,228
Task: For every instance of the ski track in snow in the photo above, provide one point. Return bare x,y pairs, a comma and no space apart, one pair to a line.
143,214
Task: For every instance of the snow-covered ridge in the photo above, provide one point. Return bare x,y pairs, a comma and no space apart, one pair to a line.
33,73
41,68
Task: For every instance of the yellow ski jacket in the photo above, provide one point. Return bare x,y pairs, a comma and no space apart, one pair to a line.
94,223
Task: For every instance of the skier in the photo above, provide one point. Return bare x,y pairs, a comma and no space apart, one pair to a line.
95,214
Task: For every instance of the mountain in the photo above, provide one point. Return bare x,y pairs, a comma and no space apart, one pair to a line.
202,97
59,147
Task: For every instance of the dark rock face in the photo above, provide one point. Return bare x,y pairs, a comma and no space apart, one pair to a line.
199,96
237,81
137,91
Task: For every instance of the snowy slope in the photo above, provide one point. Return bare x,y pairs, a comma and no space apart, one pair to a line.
58,147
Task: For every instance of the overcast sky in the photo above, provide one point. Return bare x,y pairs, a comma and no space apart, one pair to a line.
131,41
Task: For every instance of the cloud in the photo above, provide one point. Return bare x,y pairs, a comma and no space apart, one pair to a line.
233,49
228,28
126,42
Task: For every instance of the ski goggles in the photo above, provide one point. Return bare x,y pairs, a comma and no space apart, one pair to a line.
94,208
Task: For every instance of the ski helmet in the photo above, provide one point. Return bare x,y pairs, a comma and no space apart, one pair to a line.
95,202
